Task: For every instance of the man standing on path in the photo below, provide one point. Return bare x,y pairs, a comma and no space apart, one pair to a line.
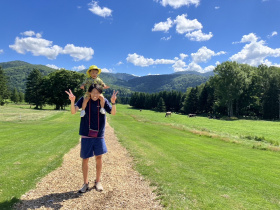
92,129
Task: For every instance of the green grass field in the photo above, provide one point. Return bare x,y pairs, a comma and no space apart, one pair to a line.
201,163
32,143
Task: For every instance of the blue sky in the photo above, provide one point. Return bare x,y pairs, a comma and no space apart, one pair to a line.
140,37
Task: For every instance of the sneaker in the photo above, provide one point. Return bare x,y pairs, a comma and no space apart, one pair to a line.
84,188
83,112
98,186
102,111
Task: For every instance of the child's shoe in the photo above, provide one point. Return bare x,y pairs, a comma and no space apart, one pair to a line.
102,111
83,112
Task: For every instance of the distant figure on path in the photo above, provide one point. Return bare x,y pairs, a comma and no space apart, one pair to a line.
92,129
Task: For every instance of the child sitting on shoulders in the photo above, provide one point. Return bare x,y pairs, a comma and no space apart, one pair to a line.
92,73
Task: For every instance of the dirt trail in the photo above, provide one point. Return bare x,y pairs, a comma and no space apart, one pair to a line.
124,188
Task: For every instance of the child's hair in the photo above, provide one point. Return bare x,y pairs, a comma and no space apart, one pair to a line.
97,87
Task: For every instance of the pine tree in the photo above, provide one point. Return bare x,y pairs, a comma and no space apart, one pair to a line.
15,96
32,91
161,105
4,94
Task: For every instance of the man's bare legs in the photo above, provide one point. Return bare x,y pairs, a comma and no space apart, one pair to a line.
85,170
98,160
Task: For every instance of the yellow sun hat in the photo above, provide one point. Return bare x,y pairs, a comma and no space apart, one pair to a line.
93,67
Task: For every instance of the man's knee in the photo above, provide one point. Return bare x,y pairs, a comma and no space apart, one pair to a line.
99,157
85,161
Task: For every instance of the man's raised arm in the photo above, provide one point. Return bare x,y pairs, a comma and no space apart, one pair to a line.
72,98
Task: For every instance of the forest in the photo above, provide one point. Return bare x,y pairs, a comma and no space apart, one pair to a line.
235,90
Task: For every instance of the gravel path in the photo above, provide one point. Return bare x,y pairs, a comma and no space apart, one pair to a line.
124,188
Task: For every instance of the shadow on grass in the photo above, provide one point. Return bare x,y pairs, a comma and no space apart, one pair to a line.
47,201
7,205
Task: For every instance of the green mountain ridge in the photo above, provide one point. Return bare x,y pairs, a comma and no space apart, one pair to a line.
18,71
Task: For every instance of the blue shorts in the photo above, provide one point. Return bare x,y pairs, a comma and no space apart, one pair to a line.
92,146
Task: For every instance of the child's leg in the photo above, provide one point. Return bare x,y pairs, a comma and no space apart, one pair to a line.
102,104
84,105
102,101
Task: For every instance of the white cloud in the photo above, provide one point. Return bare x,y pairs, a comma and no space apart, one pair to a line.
254,53
42,47
139,60
217,7
184,25
204,54
37,46
119,63
274,33
183,56
78,53
191,28
163,26
105,70
199,36
209,68
97,10
31,33
179,65
79,68
178,3
166,38
1,51
52,66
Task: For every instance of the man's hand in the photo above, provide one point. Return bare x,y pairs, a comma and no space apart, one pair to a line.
72,98
114,97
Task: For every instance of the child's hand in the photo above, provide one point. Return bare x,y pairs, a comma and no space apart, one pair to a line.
82,87
106,87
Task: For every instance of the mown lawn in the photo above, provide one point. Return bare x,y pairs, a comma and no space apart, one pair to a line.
32,143
199,171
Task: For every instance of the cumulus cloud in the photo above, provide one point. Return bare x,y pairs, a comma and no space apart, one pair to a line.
184,25
217,7
203,55
31,33
255,52
183,56
139,60
119,63
42,47
191,28
78,53
199,36
52,66
97,10
1,51
163,26
79,68
105,70
178,3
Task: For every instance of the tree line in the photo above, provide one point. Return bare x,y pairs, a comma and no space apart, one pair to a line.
42,90
234,90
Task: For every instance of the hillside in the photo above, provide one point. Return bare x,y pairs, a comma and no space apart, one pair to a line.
18,71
